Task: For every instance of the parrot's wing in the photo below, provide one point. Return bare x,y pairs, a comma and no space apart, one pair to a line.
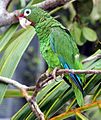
63,45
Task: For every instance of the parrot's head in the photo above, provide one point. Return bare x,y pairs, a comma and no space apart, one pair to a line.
31,16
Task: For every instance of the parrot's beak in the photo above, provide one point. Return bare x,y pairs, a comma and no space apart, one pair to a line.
24,22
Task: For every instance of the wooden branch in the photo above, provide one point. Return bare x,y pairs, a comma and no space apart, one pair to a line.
67,71
47,4
10,18
44,79
39,84
98,56
13,82
34,107
4,4
77,110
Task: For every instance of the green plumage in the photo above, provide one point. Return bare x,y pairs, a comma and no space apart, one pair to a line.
50,32
57,46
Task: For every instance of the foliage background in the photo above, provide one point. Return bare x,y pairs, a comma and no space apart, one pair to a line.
83,19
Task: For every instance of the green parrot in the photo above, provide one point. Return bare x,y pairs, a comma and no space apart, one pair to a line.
57,45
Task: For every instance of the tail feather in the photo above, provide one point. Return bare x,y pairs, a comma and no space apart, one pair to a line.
76,79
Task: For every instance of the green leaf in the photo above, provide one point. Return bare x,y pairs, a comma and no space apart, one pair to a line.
58,99
93,79
94,113
7,36
97,92
77,118
15,35
23,3
79,96
98,6
44,91
14,93
77,34
83,7
12,56
93,64
89,34
22,113
81,116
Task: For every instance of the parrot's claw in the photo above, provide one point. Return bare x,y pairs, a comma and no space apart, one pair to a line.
62,75
48,73
54,73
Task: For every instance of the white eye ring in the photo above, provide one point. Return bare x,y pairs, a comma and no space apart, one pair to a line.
27,12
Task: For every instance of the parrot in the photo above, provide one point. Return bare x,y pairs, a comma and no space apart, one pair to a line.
57,45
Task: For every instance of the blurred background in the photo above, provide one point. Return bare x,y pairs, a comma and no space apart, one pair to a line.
82,18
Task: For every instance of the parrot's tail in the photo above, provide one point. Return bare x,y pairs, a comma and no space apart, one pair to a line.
76,79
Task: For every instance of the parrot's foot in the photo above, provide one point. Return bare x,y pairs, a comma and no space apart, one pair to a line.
52,72
48,72
55,72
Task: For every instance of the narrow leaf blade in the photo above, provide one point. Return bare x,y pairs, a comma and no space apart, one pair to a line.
12,57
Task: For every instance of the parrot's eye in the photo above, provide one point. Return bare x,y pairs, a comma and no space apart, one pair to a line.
27,12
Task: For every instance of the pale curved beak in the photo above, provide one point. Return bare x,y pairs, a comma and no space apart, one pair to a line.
24,22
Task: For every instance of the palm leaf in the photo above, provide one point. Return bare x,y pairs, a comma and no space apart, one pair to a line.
12,56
